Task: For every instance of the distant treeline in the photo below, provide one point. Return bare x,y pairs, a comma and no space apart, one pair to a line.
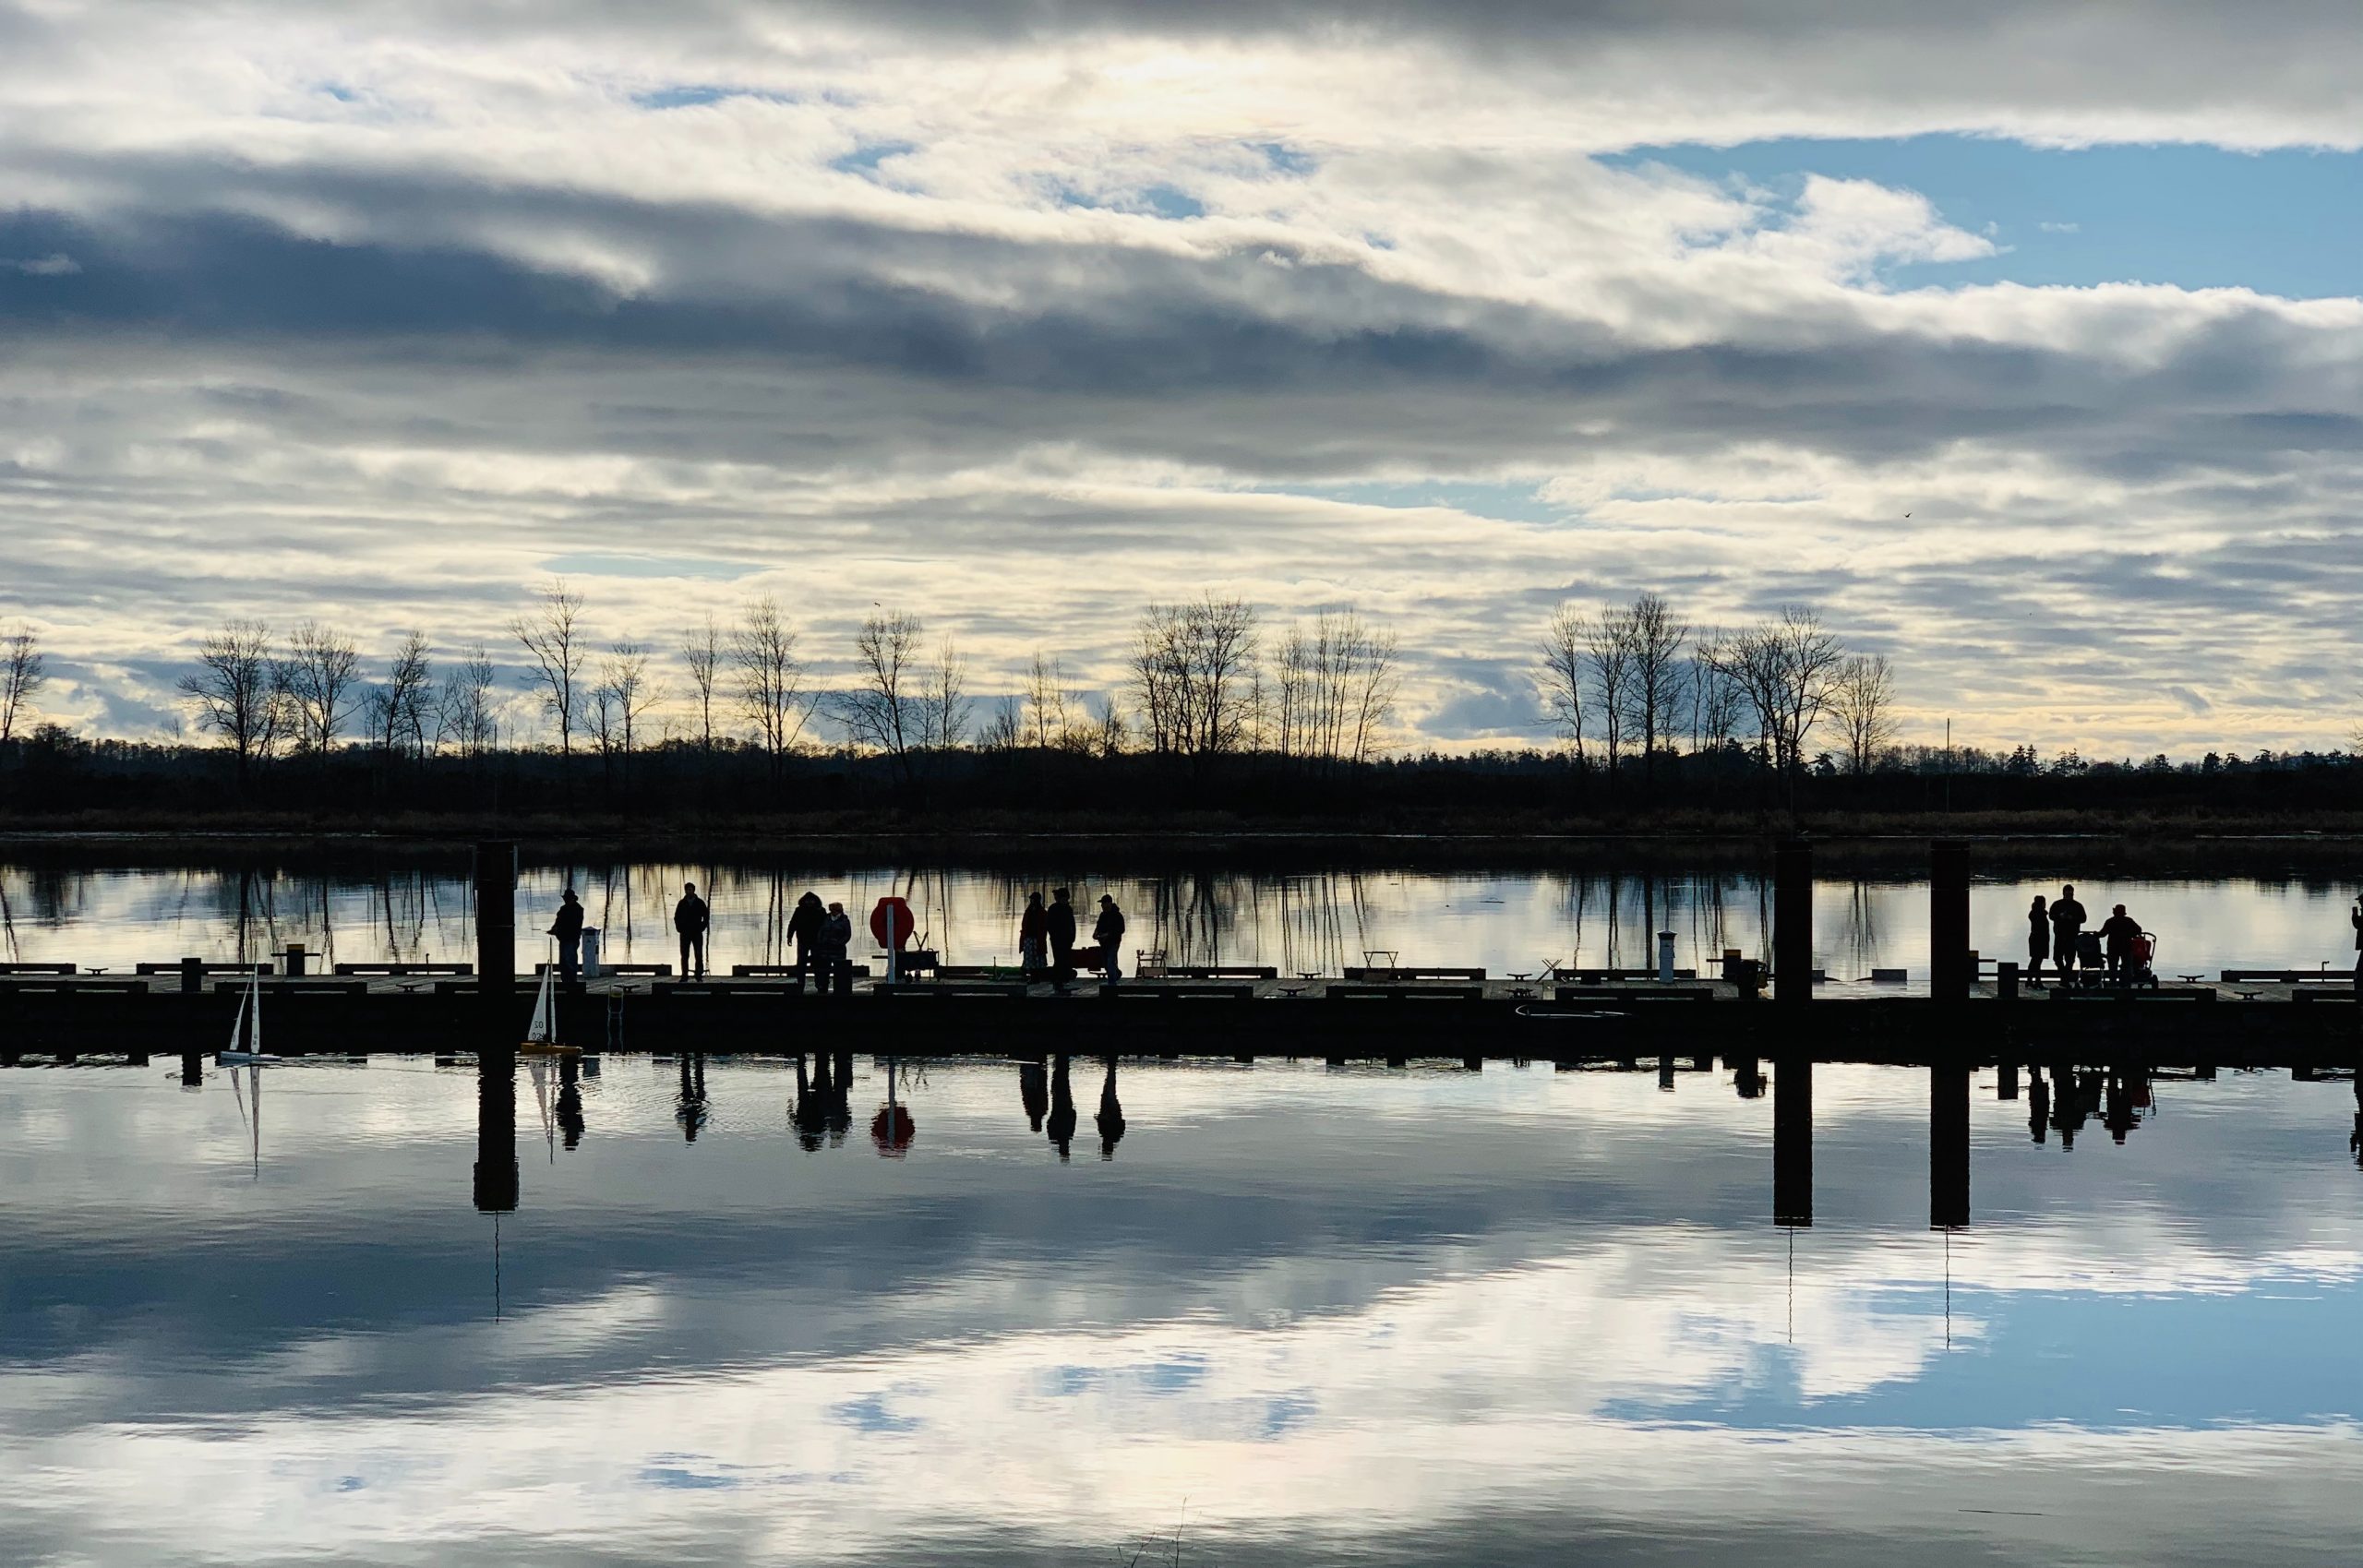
53,775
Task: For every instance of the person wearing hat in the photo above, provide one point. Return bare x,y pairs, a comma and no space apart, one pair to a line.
568,930
1108,932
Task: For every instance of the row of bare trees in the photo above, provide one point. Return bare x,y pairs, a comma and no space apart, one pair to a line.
1629,680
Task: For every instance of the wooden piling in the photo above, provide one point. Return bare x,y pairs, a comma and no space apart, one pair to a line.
1951,970
1792,923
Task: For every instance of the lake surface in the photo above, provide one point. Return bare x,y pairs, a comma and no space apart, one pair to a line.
1295,1315
1308,922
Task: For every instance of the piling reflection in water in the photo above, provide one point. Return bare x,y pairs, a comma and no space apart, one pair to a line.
496,1167
1793,1141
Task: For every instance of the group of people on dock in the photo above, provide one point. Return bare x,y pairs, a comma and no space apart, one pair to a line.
2056,928
1046,949
822,935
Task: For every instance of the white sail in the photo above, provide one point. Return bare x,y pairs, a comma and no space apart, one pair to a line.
238,1028
539,1032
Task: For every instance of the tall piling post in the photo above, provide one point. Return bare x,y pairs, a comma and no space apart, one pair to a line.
1949,1147
1950,968
1793,1141
495,896
1793,922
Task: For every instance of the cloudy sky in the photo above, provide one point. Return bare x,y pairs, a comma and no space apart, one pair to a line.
2020,338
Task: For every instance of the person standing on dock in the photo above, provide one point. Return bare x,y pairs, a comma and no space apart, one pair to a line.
2066,925
1033,939
807,927
568,930
2119,931
1058,922
837,937
1108,932
690,918
2038,940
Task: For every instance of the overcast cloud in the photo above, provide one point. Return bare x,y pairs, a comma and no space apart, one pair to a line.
1018,315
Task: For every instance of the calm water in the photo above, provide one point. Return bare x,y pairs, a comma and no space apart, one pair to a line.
1300,1316
1315,922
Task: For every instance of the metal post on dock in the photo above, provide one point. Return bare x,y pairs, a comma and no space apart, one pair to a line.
1951,969
1793,1141
192,975
1793,922
496,879
1948,1147
496,1169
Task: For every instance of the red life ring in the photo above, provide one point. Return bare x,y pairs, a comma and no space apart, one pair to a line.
899,911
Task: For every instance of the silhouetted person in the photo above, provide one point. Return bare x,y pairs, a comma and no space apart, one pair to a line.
691,1111
2119,1116
2355,918
2038,1104
1111,1119
807,929
1058,926
568,930
1062,1108
2067,925
1033,939
690,918
1033,1091
2355,1139
1108,932
829,962
2117,933
1748,1077
2038,940
570,1100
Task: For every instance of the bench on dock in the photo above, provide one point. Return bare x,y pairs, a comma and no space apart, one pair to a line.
2288,977
1654,993
306,986
7,969
951,988
175,969
404,971
1136,990
1407,972
1222,972
736,986
66,984
655,971
1583,976
774,971
1351,991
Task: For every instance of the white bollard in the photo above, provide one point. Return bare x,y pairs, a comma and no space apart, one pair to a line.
590,952
1665,958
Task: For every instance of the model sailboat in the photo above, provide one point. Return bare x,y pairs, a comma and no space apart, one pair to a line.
246,1030
541,1032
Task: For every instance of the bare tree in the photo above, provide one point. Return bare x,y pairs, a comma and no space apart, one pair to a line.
624,676
1047,701
702,650
1374,681
321,675
465,718
398,709
770,678
886,712
237,694
944,707
1559,675
23,671
1783,667
1608,658
1862,700
1109,730
1004,726
552,635
1654,643
1191,667
1715,698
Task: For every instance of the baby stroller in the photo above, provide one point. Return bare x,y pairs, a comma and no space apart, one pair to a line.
2140,961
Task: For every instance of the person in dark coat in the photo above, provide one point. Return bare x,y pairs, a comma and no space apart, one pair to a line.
807,927
568,930
2354,917
1108,932
1111,1119
2038,940
690,918
837,937
2066,925
1058,922
2119,931
1034,938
